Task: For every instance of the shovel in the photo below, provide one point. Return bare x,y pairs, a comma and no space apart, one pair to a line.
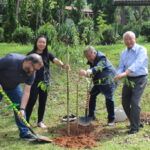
38,138
77,106
85,120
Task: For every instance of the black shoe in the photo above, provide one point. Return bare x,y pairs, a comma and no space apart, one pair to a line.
71,118
133,131
29,137
140,126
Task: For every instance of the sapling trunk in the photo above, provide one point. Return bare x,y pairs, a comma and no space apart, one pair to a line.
68,105
77,105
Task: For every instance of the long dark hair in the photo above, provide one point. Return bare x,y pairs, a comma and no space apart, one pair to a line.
45,51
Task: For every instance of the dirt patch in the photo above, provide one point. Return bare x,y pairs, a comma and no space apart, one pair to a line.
82,141
82,137
145,117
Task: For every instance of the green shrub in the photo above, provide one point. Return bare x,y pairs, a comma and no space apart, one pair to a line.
108,36
23,35
101,26
136,28
67,33
1,34
145,30
49,31
86,30
9,25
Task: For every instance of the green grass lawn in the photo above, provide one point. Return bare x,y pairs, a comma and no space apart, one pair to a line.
56,106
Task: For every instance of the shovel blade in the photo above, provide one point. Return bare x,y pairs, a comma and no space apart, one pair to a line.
42,139
84,121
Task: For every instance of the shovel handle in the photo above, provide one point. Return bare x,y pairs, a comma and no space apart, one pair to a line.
87,104
9,102
88,98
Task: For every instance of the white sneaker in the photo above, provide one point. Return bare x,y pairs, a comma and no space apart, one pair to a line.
111,123
41,125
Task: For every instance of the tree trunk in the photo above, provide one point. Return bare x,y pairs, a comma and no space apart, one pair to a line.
123,16
17,9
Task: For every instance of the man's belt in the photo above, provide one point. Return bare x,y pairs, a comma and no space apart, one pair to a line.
136,77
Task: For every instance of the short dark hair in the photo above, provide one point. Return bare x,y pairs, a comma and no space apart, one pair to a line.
34,58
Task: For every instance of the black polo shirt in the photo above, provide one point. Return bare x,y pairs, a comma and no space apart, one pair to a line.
12,73
43,74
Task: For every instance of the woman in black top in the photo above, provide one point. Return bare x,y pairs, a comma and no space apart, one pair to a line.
41,48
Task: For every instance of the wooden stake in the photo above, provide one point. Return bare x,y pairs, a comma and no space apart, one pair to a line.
68,105
77,106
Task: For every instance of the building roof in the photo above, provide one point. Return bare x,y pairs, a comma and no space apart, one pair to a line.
131,2
85,10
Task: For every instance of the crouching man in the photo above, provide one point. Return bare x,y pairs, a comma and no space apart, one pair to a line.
102,73
14,70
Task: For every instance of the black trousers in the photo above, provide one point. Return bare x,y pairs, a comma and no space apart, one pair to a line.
35,93
108,91
131,98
